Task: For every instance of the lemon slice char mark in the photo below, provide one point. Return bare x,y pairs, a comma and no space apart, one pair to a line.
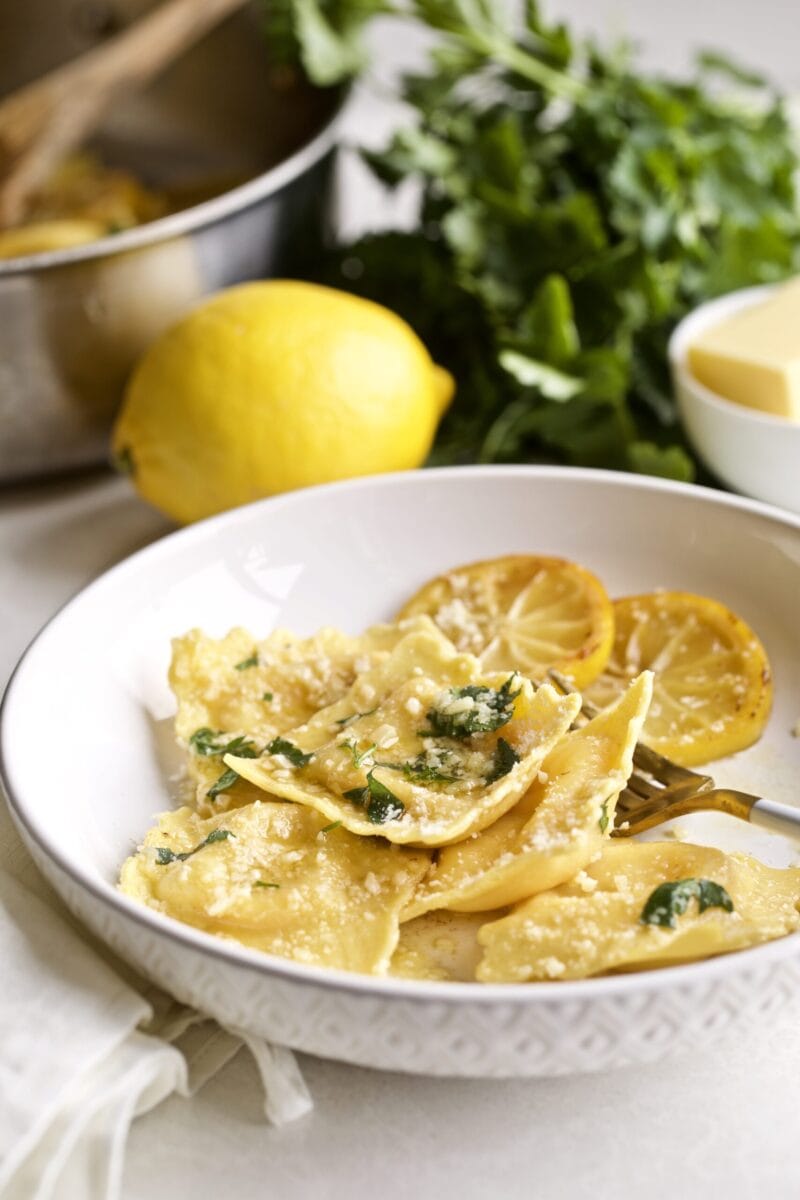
523,612
713,684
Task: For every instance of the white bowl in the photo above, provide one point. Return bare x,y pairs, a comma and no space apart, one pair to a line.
752,452
88,755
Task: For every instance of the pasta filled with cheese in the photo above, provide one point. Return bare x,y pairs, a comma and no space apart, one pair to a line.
415,801
558,826
443,752
641,904
275,877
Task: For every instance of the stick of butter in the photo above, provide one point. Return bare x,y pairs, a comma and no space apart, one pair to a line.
753,357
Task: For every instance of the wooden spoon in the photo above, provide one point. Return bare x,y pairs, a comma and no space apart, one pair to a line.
43,121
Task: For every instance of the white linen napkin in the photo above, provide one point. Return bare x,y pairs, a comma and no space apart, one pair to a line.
83,1051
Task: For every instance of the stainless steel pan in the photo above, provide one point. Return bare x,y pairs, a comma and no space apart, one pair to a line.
73,322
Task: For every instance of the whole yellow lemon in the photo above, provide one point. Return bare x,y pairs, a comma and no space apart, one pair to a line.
272,386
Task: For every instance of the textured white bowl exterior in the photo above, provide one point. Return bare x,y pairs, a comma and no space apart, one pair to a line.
458,1029
93,682
753,452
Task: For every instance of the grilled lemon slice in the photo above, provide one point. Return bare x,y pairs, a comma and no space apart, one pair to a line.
713,684
523,612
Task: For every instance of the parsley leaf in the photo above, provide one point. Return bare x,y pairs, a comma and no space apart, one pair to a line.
295,755
360,756
603,819
225,782
670,900
246,663
574,207
262,884
267,697
472,709
330,828
207,743
218,835
381,804
436,764
252,661
354,717
505,759
164,855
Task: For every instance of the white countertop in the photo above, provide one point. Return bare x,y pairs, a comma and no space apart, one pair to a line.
722,1120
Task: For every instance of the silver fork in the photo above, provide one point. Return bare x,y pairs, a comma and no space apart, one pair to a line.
659,790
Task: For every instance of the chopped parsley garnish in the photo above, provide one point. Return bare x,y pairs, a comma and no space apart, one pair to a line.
217,835
473,709
294,754
207,742
670,900
246,663
505,759
330,828
360,756
164,855
603,818
262,884
436,764
242,747
381,804
354,717
267,697
226,780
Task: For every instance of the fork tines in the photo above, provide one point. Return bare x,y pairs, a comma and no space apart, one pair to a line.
660,769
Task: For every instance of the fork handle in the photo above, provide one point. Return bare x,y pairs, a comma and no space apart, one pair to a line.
766,814
778,818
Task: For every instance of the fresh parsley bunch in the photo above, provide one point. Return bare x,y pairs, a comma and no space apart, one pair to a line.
574,208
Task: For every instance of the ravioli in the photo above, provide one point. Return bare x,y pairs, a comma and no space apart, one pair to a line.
592,924
441,946
269,875
442,751
237,688
557,827
393,803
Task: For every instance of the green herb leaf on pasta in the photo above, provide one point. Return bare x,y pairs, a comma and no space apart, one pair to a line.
210,743
505,759
359,757
461,712
380,802
225,782
288,750
670,900
164,855
246,663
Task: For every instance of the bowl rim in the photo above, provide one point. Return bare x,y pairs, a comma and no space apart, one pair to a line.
409,990
695,322
209,212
